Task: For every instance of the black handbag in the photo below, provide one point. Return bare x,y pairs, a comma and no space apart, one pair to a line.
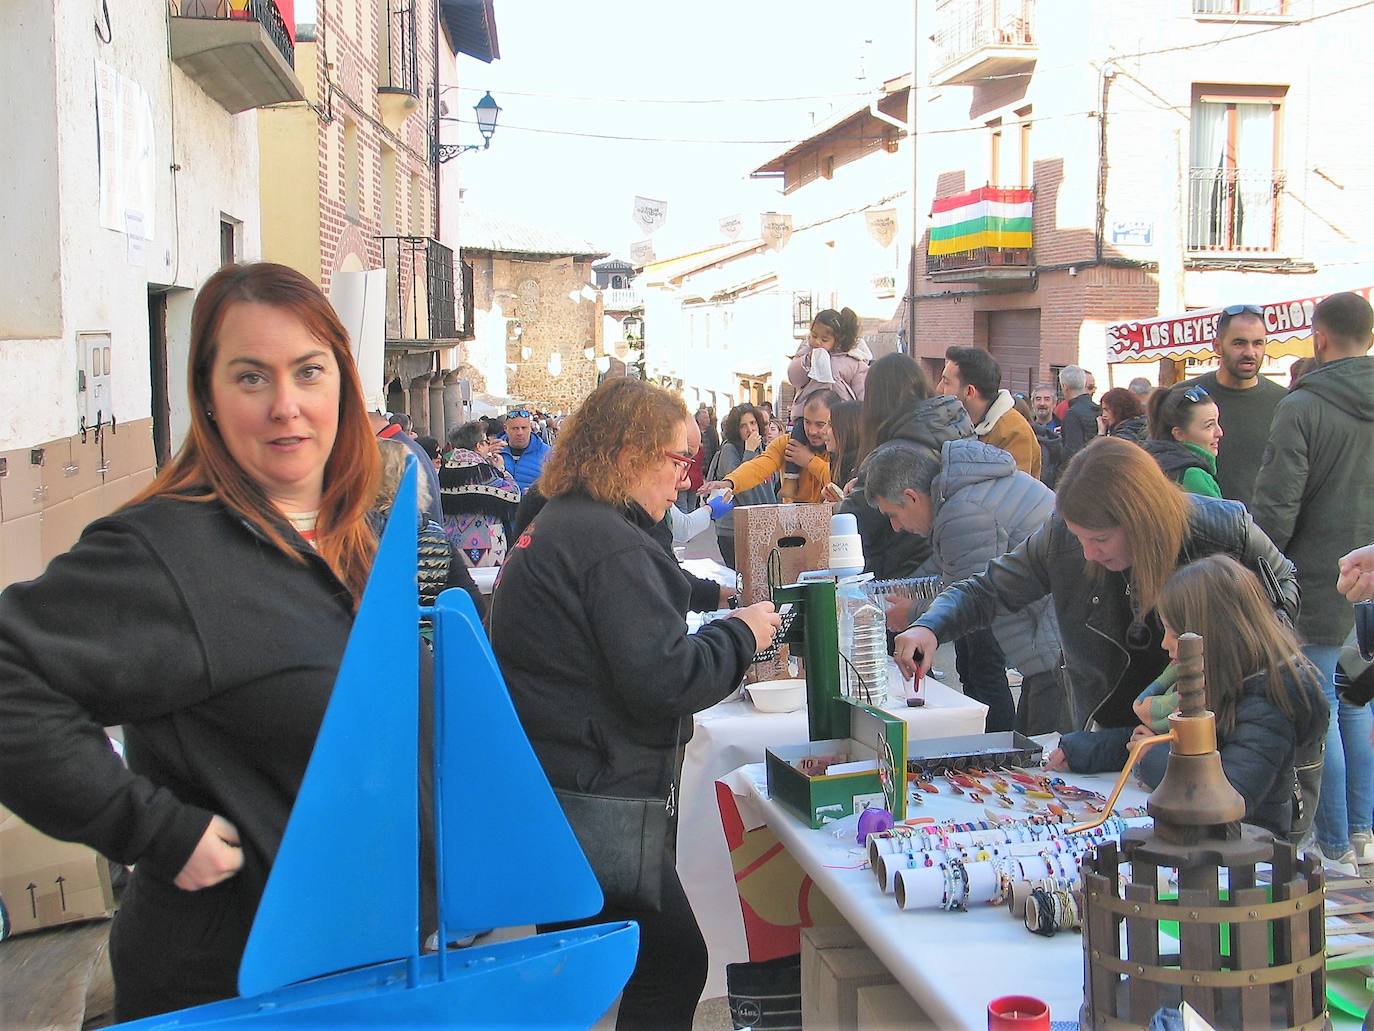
627,841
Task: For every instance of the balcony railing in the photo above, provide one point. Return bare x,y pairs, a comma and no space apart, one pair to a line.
420,302
1234,209
264,12
624,299
977,38
397,66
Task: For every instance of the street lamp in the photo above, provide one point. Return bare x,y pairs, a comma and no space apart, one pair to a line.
487,111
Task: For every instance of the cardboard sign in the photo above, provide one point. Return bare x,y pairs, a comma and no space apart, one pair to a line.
800,535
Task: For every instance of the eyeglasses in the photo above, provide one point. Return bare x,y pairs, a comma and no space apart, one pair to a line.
680,459
519,413
1239,309
1194,395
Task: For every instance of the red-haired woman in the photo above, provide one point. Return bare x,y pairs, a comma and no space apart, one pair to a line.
208,617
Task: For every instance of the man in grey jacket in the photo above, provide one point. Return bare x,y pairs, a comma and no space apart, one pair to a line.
1314,497
975,505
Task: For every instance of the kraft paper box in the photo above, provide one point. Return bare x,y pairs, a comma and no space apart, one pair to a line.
800,534
46,882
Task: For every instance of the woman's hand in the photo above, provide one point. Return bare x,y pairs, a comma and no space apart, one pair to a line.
753,442
849,487
762,619
1057,760
915,652
832,492
898,615
1138,733
715,485
1356,581
799,454
217,857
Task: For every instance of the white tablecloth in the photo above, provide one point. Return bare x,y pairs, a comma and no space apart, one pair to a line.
994,956
733,734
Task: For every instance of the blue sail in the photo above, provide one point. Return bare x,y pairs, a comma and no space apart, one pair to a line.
509,799
344,888
336,937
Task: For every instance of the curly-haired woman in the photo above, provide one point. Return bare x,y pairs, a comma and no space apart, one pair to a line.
588,626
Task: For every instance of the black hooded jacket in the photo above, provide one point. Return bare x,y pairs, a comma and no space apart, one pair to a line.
888,554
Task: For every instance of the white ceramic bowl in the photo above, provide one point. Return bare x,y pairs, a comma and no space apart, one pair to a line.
778,695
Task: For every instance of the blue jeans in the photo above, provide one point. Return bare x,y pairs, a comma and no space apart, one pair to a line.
1347,799
982,670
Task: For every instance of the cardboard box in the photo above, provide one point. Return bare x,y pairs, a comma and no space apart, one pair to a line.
887,1007
46,882
835,966
800,535
824,798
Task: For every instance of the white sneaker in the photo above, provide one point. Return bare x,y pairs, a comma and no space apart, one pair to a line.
1344,863
1362,844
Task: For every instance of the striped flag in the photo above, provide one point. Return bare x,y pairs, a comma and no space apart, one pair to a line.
986,217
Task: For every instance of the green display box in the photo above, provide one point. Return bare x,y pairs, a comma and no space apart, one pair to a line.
823,798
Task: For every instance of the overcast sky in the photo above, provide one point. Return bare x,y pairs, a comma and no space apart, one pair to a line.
741,50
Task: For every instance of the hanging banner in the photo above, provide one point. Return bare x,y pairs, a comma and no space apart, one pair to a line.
1288,325
776,229
730,227
650,215
641,253
882,225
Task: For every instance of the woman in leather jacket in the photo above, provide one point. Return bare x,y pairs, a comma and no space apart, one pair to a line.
1120,530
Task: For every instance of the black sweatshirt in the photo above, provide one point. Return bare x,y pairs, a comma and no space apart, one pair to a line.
218,655
588,626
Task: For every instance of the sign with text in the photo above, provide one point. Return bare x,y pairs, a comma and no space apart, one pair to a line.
882,225
649,214
1131,233
641,253
730,227
776,229
1288,324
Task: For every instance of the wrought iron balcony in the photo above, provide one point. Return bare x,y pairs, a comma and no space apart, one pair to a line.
421,308
982,235
398,71
977,39
1234,210
239,51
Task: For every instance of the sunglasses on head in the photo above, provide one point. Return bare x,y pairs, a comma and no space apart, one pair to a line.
1242,309
1196,394
520,413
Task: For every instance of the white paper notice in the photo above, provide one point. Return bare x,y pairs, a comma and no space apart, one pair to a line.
133,232
126,151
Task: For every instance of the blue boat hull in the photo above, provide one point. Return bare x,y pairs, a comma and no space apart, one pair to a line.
563,979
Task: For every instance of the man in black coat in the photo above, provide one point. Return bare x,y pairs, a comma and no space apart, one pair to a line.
1080,420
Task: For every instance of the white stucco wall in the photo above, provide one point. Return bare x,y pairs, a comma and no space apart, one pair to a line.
100,288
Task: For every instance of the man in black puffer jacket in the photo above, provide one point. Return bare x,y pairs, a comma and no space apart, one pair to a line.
1080,420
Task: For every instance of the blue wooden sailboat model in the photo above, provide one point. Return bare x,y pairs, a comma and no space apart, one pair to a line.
337,936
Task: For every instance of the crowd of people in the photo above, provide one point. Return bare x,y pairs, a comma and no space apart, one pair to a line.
1078,540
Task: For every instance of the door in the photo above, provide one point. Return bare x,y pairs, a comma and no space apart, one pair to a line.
157,377
1014,340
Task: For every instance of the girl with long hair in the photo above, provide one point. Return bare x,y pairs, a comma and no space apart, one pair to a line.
1271,714
1119,531
1185,436
208,616
845,419
743,432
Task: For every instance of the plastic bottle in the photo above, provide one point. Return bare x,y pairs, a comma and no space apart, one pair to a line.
863,642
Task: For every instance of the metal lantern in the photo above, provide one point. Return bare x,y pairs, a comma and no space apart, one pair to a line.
1251,955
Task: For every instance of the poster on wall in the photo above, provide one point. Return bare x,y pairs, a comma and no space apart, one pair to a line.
776,229
125,146
649,214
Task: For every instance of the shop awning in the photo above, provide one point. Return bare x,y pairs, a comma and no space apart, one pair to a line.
1288,324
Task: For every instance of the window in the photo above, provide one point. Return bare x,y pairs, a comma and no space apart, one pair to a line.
1234,175
995,152
1241,7
229,247
388,191
352,162
417,206
1025,168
